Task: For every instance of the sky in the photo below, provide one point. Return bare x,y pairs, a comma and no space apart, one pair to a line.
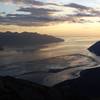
56,17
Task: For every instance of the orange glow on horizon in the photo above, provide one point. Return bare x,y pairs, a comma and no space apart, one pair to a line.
81,29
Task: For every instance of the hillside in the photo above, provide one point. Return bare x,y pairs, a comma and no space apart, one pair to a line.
26,39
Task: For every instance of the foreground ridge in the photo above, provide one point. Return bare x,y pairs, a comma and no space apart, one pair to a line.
86,87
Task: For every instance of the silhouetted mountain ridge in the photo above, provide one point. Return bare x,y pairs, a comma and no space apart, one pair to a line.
85,87
25,39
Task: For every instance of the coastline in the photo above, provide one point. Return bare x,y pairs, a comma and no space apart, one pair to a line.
49,71
85,87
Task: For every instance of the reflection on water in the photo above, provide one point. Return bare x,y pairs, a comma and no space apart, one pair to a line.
48,65
71,45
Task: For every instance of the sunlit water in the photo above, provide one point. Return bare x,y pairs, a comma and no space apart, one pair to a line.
50,64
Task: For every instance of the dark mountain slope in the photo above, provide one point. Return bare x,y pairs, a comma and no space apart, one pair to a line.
26,39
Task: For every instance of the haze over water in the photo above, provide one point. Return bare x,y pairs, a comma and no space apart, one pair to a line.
76,21
71,45
74,44
49,61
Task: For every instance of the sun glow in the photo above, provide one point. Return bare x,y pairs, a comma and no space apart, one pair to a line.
53,17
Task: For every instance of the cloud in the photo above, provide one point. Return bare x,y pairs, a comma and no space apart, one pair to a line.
77,6
23,1
41,14
38,11
82,13
37,17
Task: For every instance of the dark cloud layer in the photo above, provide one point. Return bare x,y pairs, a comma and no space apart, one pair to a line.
77,6
38,17
43,16
24,1
82,11
38,11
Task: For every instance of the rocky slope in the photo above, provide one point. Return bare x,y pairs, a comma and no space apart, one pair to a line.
86,87
17,89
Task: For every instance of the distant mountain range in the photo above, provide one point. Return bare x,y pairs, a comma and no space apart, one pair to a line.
25,39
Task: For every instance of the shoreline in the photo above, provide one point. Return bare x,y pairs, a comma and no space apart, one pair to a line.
85,87
50,71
